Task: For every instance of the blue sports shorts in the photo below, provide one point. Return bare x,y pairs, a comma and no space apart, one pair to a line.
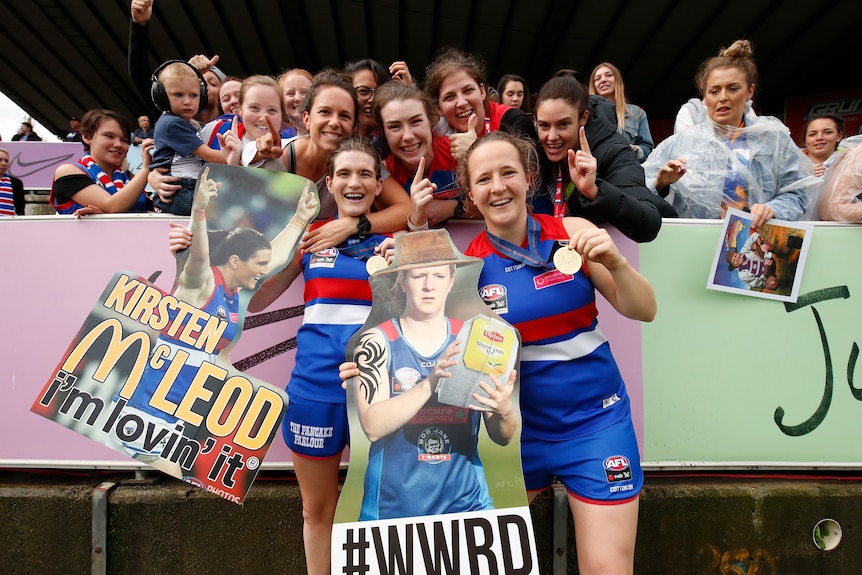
315,429
601,468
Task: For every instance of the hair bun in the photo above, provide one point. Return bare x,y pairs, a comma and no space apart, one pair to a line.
739,49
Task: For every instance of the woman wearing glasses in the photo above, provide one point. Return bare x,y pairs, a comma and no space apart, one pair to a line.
367,75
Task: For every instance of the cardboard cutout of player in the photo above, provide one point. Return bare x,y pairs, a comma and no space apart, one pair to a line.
435,470
148,374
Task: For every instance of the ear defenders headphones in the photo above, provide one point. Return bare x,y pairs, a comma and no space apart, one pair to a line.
160,96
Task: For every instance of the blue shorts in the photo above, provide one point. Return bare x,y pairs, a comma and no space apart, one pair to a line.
603,467
315,429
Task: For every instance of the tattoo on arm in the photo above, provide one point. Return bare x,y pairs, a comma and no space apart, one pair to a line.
370,358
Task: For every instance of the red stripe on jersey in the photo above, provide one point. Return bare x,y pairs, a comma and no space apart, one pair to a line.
479,247
557,325
218,277
358,290
389,330
442,160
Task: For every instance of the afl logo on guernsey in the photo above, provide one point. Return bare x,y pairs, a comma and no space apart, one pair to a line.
617,468
222,314
496,297
405,378
324,258
493,292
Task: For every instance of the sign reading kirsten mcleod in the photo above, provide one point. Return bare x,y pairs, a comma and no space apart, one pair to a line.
434,483
148,373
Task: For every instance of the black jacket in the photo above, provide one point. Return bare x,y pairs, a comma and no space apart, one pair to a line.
140,72
623,200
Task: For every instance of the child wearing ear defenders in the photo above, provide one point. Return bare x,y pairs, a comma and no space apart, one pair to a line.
178,145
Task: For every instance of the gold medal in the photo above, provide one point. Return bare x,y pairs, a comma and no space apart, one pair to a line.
375,264
567,261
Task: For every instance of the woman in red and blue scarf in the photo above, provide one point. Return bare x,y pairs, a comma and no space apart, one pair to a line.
96,181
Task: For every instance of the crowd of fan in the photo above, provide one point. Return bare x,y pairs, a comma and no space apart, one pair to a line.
751,162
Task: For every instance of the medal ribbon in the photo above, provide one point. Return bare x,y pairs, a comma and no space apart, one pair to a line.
359,249
559,206
534,255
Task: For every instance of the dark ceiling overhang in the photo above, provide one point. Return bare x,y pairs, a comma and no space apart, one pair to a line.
63,57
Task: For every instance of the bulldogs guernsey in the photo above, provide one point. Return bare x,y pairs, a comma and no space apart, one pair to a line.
337,303
431,465
222,304
570,383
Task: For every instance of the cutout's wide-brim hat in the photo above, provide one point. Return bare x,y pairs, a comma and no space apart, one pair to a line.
424,249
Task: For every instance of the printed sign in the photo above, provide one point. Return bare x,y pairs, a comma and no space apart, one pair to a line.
148,374
35,162
135,380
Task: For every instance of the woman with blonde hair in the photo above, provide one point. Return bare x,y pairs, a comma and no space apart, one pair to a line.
732,160
574,405
295,84
607,81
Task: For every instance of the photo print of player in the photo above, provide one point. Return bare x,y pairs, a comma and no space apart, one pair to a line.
766,263
149,375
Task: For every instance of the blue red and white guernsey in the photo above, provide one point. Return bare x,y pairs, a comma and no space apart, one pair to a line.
570,383
442,171
337,303
221,125
431,465
222,304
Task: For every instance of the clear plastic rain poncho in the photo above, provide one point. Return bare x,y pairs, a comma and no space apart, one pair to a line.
842,190
757,164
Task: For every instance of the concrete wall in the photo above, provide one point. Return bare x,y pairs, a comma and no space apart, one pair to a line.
688,526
